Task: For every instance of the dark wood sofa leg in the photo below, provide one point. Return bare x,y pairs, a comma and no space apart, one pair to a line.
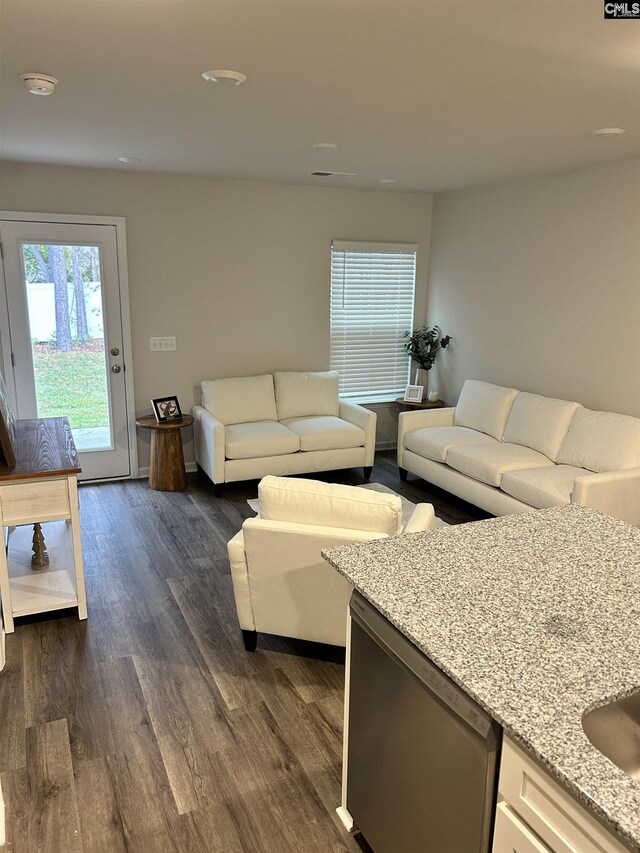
403,473
250,640
366,471
217,490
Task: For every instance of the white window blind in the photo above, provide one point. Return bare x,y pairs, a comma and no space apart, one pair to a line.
372,298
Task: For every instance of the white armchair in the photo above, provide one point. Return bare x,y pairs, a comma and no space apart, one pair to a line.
281,583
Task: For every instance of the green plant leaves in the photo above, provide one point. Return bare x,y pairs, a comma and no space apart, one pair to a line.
423,345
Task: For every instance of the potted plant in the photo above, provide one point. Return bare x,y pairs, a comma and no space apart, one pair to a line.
423,345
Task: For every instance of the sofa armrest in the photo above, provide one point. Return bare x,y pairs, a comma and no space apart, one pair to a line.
366,420
615,493
421,419
423,518
209,443
240,578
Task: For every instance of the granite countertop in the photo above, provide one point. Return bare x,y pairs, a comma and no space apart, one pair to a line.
536,616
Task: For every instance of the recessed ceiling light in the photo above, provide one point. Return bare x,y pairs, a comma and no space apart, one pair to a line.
225,78
387,181
608,131
129,160
324,146
39,84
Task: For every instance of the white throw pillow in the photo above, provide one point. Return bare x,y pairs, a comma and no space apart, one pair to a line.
299,395
539,422
240,401
329,505
601,441
484,407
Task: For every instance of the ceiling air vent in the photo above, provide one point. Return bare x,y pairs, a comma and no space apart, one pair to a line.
332,174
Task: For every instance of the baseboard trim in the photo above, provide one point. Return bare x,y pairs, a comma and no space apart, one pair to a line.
345,817
386,445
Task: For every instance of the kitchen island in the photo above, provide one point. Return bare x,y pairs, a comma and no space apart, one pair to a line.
535,616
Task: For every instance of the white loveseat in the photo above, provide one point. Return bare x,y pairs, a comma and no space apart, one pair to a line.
285,423
510,451
281,583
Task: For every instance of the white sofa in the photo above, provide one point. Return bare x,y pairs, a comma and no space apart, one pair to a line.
281,583
510,451
285,423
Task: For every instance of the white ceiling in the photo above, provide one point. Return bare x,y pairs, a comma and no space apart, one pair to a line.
436,94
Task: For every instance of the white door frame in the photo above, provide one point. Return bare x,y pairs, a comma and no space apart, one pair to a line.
121,247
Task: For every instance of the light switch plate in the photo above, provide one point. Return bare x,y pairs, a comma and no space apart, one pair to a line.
162,344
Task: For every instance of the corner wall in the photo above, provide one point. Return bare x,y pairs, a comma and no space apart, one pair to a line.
238,271
538,282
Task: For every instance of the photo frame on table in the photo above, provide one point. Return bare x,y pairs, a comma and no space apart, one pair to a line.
413,393
7,429
166,409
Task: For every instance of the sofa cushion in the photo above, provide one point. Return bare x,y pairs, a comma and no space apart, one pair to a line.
329,505
299,395
542,487
435,442
488,462
263,438
540,423
484,407
601,441
242,400
325,432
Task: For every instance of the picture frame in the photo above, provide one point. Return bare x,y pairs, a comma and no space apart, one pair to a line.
166,409
7,429
413,393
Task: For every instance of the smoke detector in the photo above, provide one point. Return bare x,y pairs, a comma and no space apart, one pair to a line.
39,84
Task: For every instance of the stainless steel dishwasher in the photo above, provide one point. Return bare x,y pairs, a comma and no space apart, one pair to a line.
421,755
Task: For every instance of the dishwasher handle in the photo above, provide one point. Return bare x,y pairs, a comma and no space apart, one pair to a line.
399,647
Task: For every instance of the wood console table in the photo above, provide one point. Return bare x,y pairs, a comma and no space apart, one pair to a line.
42,488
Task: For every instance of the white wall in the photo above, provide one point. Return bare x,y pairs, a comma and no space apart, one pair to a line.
238,271
538,281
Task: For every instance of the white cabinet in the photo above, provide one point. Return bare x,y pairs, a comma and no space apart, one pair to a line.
512,835
536,810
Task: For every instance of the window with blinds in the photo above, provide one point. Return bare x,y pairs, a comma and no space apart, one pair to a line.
372,298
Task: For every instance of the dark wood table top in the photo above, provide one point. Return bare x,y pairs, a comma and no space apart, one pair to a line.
44,448
424,404
150,422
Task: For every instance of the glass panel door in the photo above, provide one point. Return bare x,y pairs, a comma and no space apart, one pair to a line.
66,335
66,323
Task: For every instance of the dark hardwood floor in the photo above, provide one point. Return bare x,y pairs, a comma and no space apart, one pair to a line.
149,727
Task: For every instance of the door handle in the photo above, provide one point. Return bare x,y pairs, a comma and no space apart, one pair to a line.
116,368
115,351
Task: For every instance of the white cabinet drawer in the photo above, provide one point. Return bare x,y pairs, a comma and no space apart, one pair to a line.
26,502
553,815
511,835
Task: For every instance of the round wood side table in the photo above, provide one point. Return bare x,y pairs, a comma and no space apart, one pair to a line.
166,466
